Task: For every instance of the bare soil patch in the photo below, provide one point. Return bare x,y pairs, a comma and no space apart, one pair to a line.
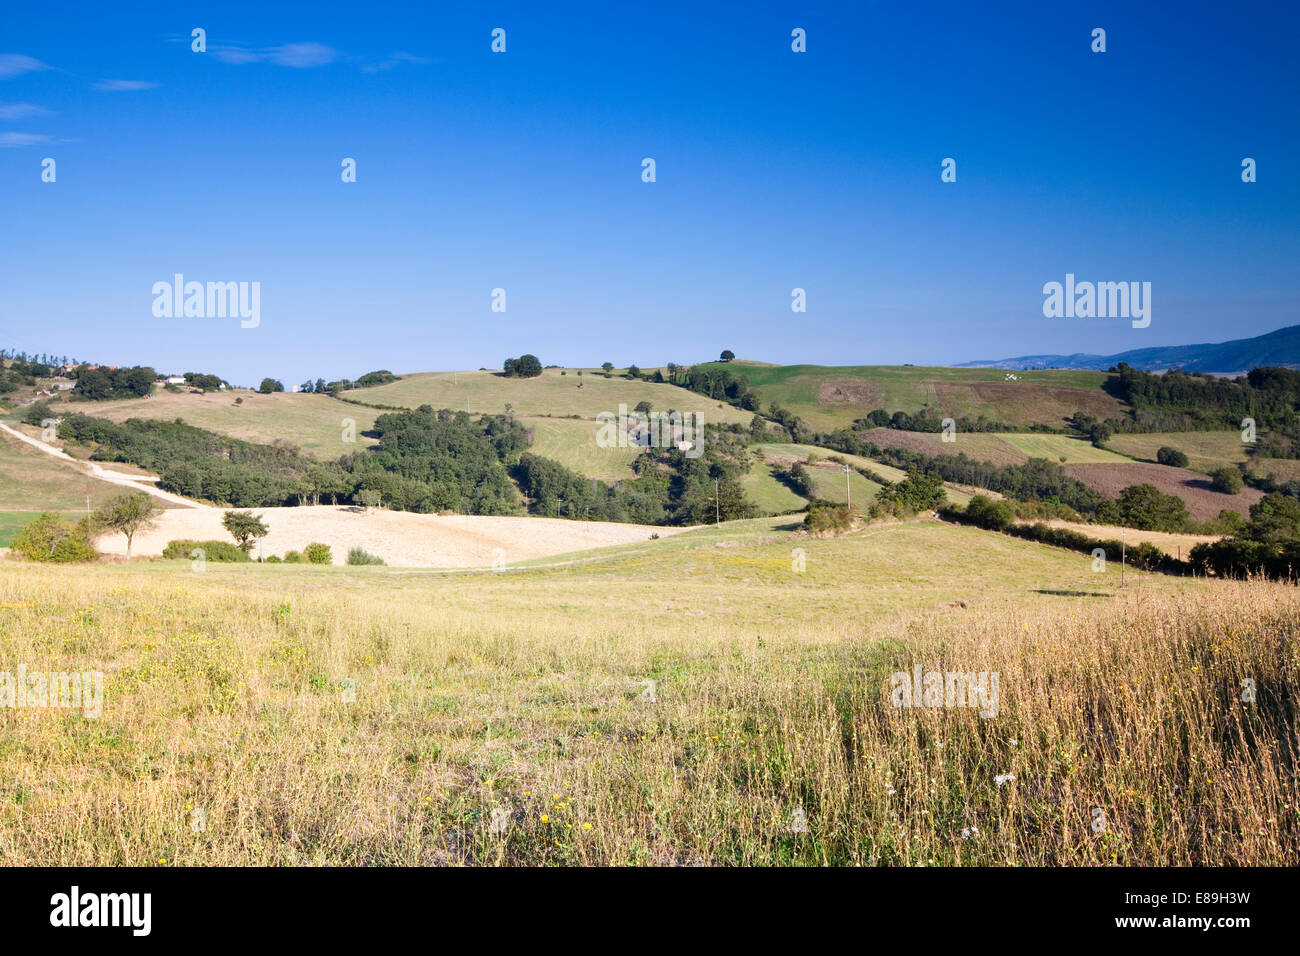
1203,503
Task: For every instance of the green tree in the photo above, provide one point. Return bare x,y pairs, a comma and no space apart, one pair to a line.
1226,480
270,385
1147,508
726,356
244,526
1171,457
987,513
126,514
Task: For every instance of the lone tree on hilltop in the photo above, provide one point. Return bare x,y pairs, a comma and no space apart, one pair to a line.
726,356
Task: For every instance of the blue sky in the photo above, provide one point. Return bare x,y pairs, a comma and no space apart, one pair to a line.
522,171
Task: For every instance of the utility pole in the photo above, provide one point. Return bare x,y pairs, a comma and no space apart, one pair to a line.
848,492
1123,550
87,506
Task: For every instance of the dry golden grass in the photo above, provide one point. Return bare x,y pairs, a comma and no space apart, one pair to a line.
524,692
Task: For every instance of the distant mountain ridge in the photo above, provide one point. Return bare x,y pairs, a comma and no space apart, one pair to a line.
1281,347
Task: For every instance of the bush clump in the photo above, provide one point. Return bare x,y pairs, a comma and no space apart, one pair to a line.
362,556
1171,457
1226,480
824,516
317,553
212,550
987,513
53,539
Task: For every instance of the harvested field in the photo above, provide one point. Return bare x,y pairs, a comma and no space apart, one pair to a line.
1175,545
1203,504
977,445
401,538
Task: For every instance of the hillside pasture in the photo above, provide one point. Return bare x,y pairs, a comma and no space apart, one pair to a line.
1205,451
830,397
548,394
315,423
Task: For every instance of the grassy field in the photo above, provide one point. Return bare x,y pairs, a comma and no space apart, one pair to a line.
11,522
1064,449
1284,469
374,716
784,452
33,481
549,394
829,397
315,423
999,448
769,495
828,484
1205,451
572,442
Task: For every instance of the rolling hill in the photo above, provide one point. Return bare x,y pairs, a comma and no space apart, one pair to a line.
1280,347
829,397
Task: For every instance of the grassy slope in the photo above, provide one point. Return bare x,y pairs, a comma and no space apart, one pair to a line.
33,481
769,495
572,442
313,422
1063,449
1205,451
549,394
829,397
521,690
775,451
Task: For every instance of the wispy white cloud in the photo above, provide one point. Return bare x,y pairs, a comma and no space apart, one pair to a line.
13,140
124,86
13,111
397,59
12,64
297,55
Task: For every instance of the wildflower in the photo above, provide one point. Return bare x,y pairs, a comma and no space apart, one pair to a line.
1002,778
586,826
545,818
968,833
1014,742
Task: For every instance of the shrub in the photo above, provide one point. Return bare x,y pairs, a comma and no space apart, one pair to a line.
51,538
361,556
823,516
317,553
1226,480
292,557
987,513
1171,457
212,550
272,559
